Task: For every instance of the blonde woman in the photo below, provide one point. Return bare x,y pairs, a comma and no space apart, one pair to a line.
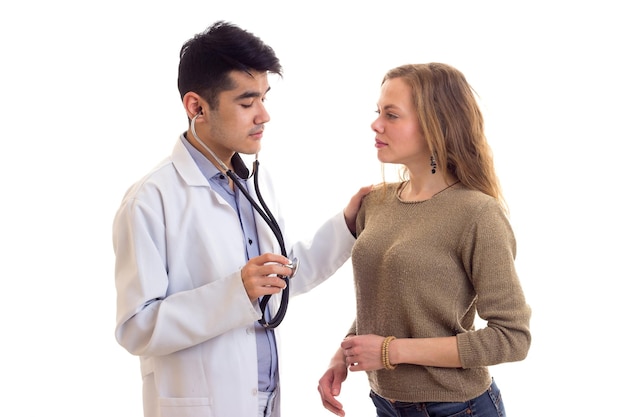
433,251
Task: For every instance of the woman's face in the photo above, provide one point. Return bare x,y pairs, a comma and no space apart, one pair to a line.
399,138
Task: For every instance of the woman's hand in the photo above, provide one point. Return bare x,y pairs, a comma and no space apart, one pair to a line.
329,385
363,353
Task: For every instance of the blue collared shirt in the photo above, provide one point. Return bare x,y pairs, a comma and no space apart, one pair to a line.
267,356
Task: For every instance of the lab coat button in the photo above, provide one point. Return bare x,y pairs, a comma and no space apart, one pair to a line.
255,392
250,330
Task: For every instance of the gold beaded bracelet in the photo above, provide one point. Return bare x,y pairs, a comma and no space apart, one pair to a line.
385,353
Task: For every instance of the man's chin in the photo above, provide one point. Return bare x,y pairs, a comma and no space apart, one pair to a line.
251,150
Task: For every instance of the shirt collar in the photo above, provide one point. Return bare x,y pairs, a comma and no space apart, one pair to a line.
208,169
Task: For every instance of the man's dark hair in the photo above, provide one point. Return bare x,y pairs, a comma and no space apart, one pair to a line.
207,59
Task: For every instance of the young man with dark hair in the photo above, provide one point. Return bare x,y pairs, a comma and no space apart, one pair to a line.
194,258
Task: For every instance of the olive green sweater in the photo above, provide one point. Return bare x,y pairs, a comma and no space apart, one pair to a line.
425,269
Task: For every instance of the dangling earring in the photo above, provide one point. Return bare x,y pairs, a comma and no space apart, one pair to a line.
433,164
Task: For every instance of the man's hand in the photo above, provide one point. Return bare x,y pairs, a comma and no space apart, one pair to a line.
260,275
351,210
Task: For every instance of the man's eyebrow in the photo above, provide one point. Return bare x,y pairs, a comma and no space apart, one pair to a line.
251,94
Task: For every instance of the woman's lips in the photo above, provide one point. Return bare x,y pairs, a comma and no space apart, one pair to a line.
379,144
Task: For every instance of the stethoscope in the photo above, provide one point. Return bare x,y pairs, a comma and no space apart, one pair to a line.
268,217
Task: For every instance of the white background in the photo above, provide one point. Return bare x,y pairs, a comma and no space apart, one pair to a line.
89,103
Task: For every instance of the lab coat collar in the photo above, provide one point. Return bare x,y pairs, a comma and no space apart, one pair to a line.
181,157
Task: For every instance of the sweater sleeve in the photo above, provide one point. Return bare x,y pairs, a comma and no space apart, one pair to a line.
488,254
352,330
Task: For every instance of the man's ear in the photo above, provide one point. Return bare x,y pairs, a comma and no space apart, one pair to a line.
193,104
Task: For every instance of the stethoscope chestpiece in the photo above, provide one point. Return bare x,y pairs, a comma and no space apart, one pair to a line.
293,265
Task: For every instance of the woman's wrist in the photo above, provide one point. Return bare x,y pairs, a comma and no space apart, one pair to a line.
385,348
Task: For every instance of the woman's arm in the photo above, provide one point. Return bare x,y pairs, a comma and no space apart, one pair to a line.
365,352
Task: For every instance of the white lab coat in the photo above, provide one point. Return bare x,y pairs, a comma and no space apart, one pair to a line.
181,304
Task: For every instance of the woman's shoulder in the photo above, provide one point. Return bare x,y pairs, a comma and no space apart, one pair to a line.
473,197
473,205
383,191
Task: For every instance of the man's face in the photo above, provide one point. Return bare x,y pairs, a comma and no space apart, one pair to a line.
238,122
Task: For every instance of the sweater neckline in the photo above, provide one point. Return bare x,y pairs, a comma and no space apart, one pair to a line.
404,184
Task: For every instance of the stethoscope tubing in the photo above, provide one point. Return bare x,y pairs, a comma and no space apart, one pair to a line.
268,217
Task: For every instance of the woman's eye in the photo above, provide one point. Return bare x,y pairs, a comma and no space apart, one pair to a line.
387,115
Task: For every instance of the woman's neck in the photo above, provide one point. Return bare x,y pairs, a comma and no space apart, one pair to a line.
424,187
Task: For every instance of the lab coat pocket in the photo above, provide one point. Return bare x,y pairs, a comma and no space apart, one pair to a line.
185,407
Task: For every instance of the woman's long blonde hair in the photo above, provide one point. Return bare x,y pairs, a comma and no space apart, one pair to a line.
452,124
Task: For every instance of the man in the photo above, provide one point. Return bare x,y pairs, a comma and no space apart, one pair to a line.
193,258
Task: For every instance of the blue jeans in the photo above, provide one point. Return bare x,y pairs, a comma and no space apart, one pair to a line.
488,404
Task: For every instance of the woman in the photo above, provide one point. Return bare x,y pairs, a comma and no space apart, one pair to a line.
433,251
